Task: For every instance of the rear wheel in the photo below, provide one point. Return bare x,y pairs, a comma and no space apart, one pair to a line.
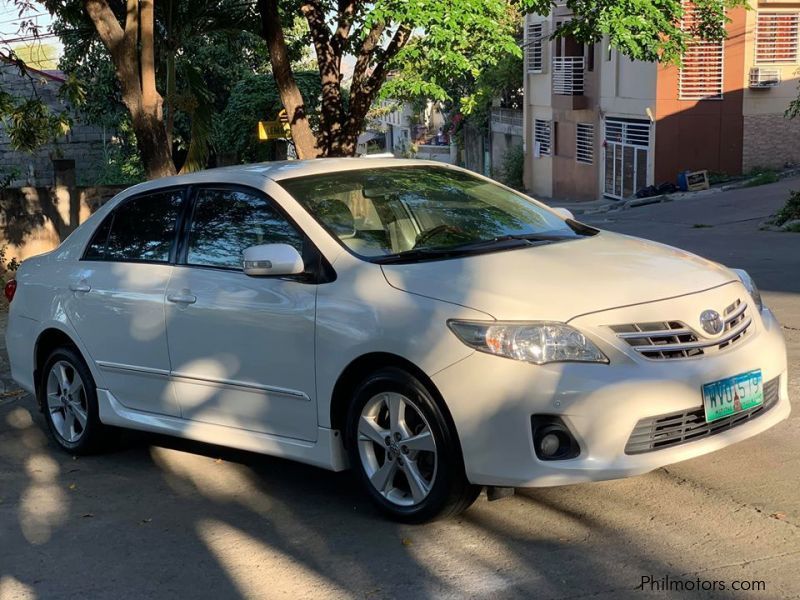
69,398
405,451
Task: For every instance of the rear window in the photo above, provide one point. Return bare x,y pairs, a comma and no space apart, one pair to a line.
141,229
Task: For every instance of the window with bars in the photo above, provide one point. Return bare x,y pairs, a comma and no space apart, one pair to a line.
534,48
542,135
777,37
701,75
584,143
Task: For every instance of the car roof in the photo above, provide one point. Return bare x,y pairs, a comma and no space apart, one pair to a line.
278,170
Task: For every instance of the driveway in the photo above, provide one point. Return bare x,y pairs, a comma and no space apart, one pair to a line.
161,518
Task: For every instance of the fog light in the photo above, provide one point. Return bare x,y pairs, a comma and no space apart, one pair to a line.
549,444
552,439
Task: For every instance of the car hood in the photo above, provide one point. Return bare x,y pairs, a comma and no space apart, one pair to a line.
563,280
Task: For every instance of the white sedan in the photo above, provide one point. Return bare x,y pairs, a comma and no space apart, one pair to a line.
430,328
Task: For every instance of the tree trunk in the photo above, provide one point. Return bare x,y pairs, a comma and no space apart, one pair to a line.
132,51
151,139
305,141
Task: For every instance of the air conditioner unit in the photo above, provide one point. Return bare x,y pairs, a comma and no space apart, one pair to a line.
764,77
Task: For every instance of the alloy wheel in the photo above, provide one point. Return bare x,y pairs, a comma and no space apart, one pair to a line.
67,402
397,449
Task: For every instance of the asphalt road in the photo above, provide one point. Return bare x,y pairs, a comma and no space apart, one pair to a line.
163,518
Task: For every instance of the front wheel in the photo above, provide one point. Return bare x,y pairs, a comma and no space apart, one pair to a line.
405,451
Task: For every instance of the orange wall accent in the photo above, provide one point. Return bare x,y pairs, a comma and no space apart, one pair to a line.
704,134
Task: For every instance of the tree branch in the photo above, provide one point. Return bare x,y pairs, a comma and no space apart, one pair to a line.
347,13
105,22
365,55
400,39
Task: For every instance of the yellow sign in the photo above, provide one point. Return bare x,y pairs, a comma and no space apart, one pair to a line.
270,130
275,130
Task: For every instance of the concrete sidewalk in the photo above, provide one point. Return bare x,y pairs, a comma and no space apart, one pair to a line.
789,178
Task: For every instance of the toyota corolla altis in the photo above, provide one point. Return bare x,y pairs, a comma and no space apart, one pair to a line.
428,327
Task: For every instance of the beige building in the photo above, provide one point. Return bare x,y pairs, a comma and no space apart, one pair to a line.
598,124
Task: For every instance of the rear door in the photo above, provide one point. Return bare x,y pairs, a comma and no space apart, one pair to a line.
241,348
116,298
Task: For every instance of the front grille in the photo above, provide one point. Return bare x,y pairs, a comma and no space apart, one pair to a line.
675,339
665,431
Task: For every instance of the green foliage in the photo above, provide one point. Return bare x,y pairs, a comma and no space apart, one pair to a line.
255,98
457,42
790,211
761,177
121,167
203,48
7,267
794,107
646,30
30,123
717,177
8,176
513,168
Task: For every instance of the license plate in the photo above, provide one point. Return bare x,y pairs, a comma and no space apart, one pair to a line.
732,395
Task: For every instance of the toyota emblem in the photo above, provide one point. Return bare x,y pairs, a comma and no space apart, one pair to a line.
711,322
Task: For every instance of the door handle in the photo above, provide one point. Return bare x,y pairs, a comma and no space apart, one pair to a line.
184,297
81,286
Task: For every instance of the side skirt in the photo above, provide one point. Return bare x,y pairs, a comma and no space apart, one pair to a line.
327,452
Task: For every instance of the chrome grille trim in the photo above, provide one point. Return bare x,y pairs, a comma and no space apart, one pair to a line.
673,429
704,344
675,339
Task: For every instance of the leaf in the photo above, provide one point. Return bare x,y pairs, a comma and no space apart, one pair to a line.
406,542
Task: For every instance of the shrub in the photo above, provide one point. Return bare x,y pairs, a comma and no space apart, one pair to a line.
761,177
513,167
7,268
790,211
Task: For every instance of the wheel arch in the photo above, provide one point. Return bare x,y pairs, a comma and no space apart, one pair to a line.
360,368
48,340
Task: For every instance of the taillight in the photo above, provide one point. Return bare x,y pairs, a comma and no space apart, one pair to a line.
10,289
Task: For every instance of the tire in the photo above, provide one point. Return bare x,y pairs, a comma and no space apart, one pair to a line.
418,474
70,410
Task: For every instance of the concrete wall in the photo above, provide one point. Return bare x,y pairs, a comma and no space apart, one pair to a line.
34,220
83,144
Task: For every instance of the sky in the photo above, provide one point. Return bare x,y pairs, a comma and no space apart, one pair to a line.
40,53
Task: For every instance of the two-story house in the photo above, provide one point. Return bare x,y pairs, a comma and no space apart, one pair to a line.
599,124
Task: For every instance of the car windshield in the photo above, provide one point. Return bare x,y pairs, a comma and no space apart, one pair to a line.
425,211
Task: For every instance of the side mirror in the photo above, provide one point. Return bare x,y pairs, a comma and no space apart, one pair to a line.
564,213
272,259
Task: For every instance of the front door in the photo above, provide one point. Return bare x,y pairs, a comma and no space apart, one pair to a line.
627,144
116,299
241,348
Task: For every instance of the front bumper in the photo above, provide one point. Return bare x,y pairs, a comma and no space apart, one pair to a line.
491,400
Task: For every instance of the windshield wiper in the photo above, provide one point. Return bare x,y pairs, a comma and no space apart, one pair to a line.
416,254
529,239
517,241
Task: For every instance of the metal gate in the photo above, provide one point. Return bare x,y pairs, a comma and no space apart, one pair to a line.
627,143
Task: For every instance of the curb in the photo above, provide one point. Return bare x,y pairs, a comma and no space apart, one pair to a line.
680,196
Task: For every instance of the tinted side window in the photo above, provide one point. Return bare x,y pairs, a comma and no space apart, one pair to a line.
225,222
96,250
143,228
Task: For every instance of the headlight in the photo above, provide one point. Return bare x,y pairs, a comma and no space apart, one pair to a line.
538,342
751,286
